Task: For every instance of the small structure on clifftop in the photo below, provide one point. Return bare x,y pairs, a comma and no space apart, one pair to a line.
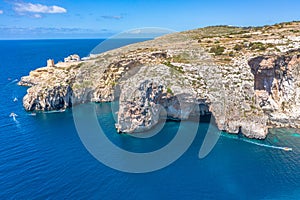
50,63
72,58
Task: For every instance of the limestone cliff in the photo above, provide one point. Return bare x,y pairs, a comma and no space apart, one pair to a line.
277,88
247,78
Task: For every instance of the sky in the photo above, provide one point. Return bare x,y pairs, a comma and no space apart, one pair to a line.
40,19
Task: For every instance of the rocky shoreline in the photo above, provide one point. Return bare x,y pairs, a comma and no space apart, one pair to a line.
247,78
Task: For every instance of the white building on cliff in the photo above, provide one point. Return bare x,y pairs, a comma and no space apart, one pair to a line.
72,58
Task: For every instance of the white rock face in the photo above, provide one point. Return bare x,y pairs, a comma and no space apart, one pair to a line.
59,98
277,88
144,101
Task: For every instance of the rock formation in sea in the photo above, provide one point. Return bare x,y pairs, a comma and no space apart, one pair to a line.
246,77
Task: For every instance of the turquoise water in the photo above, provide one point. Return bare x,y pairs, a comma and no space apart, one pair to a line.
42,156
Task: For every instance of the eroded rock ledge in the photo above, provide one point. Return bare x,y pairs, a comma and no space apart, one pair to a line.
247,88
277,88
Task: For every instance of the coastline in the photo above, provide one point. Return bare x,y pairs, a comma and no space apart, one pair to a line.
46,148
257,81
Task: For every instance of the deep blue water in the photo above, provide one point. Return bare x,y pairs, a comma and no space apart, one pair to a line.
43,157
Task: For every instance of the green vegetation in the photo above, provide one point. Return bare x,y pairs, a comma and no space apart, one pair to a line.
194,82
169,90
217,50
227,60
253,107
238,47
114,83
218,31
260,46
181,58
227,42
246,36
257,46
269,45
177,68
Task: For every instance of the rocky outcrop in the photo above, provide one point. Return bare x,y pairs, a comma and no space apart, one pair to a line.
56,98
277,88
275,79
247,86
143,103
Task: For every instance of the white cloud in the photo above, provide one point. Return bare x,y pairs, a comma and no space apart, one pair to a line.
37,8
1,12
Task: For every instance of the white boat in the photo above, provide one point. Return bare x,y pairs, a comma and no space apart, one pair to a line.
13,115
287,149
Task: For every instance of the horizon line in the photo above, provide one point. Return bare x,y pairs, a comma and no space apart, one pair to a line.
15,39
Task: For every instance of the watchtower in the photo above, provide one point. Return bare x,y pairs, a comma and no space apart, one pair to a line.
50,63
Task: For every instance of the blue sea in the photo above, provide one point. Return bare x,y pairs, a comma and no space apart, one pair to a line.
43,157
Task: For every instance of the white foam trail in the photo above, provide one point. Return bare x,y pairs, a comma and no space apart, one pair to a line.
260,144
14,118
14,81
14,115
54,111
16,121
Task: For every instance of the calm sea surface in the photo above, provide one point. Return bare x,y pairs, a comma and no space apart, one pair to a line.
42,156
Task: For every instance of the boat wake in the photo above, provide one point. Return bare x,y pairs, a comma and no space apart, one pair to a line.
14,115
268,146
54,111
12,82
259,144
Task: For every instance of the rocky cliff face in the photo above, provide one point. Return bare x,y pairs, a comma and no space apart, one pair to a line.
147,97
277,88
247,78
56,98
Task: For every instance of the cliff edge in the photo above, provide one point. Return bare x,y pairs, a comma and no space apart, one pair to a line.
246,77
